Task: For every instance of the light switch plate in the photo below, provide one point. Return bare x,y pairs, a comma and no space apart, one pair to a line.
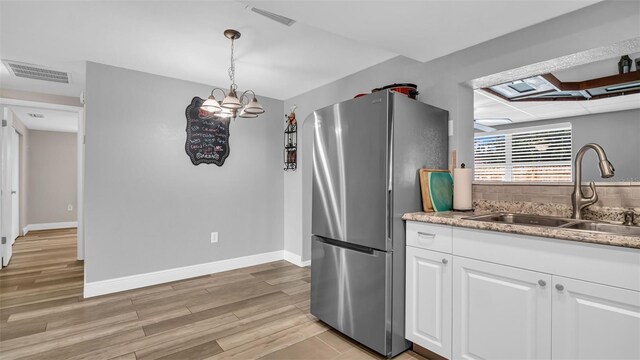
214,237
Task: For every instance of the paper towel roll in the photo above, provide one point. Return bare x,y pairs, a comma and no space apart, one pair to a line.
462,178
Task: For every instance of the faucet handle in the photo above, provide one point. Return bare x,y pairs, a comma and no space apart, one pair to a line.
629,217
594,195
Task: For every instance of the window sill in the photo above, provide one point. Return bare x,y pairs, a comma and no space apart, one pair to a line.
567,183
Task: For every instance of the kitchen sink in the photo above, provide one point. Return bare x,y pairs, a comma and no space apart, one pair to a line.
604,227
523,219
557,222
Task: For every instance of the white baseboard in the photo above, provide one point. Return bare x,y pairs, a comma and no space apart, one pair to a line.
295,259
49,226
96,288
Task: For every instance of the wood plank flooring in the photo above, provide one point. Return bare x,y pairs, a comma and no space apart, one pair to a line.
250,313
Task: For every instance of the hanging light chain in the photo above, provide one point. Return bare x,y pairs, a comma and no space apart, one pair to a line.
232,68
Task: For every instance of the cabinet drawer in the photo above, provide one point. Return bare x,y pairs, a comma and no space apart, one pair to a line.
429,236
603,264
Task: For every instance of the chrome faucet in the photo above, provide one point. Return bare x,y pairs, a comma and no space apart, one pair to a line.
578,199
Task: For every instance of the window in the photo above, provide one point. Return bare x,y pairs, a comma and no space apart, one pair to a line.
532,154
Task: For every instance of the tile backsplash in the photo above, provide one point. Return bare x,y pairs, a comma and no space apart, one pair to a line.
618,196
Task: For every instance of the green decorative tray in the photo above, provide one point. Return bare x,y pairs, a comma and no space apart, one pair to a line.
441,190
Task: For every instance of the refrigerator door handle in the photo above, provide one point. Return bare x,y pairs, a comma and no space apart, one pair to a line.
389,214
390,189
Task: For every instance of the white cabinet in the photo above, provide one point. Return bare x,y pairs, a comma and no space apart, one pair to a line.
593,321
509,296
428,300
500,312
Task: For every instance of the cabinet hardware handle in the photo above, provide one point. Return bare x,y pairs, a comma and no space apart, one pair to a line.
560,287
542,283
445,261
426,235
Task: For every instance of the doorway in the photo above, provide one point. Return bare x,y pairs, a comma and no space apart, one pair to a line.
23,121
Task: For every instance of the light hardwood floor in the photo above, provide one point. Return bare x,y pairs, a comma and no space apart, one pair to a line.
256,312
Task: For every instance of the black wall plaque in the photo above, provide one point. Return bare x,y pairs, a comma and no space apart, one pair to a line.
207,135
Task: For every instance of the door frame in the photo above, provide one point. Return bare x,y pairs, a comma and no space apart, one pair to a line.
15,172
6,103
6,211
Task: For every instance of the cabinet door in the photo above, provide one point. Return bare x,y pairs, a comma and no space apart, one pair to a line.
593,321
428,289
500,312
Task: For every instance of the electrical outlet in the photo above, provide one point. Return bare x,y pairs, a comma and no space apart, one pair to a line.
69,207
214,237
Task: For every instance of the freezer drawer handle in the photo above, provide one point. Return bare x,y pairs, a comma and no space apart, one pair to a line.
426,235
346,245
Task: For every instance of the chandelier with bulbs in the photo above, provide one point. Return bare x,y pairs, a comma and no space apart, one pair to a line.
232,106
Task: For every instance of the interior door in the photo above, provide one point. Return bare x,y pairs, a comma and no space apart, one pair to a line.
15,185
350,171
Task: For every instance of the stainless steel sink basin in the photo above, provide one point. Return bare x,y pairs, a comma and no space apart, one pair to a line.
523,219
557,222
604,227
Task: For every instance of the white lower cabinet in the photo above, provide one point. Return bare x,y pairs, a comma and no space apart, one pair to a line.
428,300
593,321
500,312
474,294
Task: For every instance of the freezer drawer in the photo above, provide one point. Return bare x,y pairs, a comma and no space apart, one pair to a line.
350,291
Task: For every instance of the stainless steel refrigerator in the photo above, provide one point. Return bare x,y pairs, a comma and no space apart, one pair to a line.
366,156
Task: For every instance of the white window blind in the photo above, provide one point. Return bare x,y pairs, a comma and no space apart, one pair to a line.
534,154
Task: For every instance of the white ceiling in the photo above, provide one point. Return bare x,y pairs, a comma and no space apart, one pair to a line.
421,30
488,106
183,39
53,120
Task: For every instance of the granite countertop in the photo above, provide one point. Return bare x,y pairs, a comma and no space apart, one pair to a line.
459,219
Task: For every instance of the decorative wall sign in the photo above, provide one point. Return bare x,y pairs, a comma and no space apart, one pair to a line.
207,135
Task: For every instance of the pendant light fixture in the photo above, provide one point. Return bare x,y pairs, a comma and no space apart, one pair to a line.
246,105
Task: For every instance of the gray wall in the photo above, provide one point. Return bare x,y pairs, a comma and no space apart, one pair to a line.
147,207
618,133
52,168
442,83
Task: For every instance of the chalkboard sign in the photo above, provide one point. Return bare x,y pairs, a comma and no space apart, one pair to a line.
207,135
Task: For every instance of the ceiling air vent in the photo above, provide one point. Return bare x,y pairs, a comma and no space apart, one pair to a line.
37,72
275,17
